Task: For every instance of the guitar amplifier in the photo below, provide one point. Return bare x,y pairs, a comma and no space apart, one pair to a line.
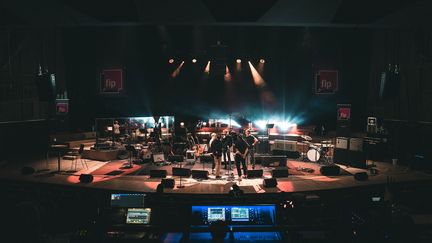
342,142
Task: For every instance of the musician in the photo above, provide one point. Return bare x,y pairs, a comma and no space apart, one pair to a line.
116,130
251,141
215,147
240,152
227,142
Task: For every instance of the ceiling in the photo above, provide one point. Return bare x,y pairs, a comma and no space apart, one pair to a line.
368,13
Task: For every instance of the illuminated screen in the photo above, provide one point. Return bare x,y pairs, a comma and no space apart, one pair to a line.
234,214
240,214
214,214
138,216
127,200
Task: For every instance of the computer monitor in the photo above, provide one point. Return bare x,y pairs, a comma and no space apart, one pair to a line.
138,216
127,200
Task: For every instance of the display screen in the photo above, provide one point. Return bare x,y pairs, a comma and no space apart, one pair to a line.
127,200
234,214
138,216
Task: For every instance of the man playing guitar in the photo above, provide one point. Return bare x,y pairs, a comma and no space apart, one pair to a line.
251,141
240,150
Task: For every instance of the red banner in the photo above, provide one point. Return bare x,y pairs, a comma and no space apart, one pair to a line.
62,106
111,81
327,82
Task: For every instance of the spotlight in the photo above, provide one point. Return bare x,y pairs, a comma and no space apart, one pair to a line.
194,60
238,60
171,61
204,123
262,60
182,124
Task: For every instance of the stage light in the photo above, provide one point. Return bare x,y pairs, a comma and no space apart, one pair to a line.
261,124
177,71
171,61
194,60
182,124
207,68
238,60
227,76
262,60
258,80
204,123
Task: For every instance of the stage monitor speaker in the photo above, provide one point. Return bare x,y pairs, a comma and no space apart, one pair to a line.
175,158
270,182
45,88
200,174
168,183
176,171
26,170
158,173
254,173
361,176
280,172
330,170
86,178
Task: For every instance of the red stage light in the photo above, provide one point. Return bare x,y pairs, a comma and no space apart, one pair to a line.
171,61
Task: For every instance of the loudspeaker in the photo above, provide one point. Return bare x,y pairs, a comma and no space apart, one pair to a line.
341,156
176,171
270,182
158,173
200,174
206,158
175,158
168,183
280,172
361,176
330,170
86,178
45,88
254,173
26,170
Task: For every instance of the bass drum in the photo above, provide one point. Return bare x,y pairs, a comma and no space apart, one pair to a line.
313,154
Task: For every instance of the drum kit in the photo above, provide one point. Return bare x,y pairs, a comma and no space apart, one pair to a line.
317,152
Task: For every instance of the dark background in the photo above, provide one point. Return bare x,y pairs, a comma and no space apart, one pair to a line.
293,57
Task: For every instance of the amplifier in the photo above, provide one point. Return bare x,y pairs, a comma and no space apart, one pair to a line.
270,160
342,142
356,144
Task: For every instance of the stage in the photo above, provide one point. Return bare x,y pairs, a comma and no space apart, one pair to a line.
111,176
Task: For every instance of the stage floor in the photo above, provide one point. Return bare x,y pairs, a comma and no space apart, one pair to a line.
111,176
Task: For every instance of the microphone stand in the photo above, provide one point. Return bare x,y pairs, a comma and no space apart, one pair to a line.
181,177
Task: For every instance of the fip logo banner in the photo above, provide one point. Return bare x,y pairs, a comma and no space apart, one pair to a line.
111,81
326,82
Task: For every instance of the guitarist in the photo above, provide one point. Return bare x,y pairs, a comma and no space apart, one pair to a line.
240,152
251,141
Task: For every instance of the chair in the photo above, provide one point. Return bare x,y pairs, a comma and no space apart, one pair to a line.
74,156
